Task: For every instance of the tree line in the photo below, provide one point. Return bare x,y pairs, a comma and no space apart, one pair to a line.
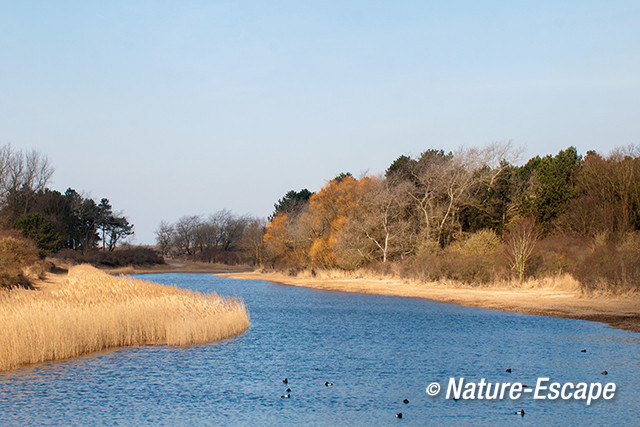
222,237
54,220
471,214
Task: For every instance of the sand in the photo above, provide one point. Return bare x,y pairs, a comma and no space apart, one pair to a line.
555,298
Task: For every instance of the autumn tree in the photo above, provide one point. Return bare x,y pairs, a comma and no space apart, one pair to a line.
378,226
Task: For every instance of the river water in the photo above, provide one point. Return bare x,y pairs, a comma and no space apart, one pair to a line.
376,350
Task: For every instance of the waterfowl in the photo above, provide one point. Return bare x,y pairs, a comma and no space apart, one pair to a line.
584,350
286,381
288,390
405,401
285,396
328,384
399,415
508,369
520,412
604,372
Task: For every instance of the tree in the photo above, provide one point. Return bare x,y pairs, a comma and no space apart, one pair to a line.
37,228
185,233
105,218
520,244
253,240
164,237
551,185
378,228
292,203
22,174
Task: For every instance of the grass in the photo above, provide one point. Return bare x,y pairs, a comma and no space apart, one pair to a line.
90,311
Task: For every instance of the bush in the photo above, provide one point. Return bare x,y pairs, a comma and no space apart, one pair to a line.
118,258
612,267
557,255
483,242
16,255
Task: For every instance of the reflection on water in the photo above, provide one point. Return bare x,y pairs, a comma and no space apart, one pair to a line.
376,350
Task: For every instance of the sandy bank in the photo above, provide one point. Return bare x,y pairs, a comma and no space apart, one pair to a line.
180,266
551,298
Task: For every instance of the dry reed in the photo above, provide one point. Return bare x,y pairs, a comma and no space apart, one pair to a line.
92,311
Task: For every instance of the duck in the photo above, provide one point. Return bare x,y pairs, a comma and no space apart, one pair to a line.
328,384
285,396
286,381
405,401
288,390
584,350
508,370
399,415
520,412
604,372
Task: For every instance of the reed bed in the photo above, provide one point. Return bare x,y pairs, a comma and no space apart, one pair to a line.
91,311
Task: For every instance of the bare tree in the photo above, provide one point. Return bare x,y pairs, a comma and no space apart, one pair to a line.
520,244
164,237
185,233
252,240
19,170
445,182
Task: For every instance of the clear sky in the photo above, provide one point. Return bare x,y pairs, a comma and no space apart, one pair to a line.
170,108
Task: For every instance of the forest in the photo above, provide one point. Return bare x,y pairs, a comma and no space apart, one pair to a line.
472,216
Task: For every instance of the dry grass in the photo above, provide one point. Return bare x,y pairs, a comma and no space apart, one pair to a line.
89,311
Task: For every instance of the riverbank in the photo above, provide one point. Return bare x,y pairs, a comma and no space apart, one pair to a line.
88,310
557,297
180,266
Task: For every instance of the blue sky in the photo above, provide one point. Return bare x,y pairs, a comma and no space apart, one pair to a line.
173,108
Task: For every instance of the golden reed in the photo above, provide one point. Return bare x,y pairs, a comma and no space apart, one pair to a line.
91,311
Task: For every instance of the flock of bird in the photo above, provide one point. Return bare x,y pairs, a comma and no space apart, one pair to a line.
328,384
521,411
406,401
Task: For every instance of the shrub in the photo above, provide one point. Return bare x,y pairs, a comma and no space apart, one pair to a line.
117,258
612,267
557,255
16,254
483,242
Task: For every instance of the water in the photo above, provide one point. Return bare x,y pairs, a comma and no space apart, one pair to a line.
376,350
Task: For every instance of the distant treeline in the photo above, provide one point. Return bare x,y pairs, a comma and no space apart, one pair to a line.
471,215
222,237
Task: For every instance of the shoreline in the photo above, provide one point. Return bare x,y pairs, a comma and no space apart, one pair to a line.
554,299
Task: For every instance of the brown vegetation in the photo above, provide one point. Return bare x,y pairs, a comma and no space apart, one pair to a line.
559,296
473,217
89,311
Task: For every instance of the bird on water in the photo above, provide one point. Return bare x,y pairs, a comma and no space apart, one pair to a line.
399,415
286,381
520,412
